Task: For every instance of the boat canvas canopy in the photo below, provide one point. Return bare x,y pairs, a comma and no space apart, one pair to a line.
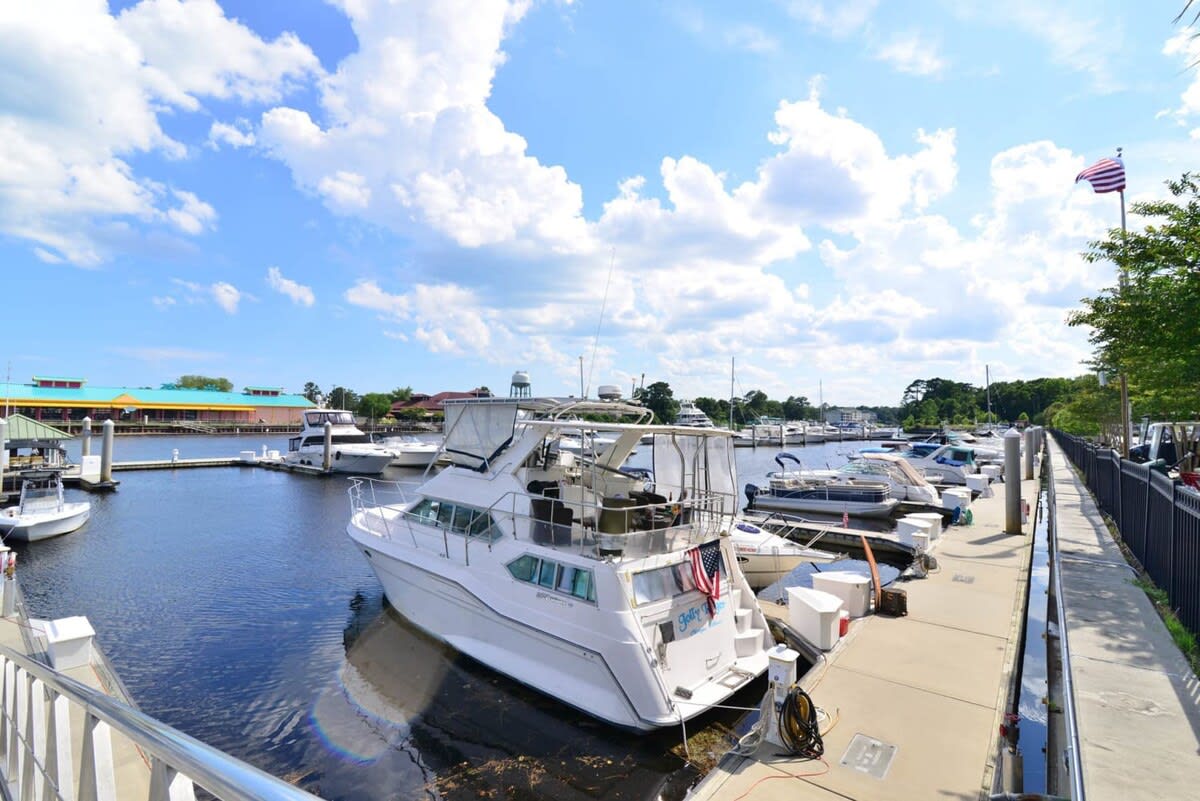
695,465
476,433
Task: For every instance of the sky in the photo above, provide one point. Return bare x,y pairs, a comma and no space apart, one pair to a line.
805,197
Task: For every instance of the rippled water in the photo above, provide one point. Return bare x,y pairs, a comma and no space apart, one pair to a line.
234,607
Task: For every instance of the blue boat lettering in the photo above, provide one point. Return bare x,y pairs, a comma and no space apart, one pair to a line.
693,618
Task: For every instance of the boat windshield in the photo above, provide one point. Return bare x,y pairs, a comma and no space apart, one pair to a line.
320,418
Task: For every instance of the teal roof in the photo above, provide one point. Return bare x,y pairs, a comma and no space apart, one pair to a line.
104,396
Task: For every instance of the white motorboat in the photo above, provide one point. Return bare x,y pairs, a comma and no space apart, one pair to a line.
799,490
765,557
42,512
570,575
691,415
947,464
351,451
411,452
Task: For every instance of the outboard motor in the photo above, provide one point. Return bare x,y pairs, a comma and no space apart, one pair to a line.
751,491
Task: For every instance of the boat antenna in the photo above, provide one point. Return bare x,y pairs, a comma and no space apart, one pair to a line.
612,260
732,374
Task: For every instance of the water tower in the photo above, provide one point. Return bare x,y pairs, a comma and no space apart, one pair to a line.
520,385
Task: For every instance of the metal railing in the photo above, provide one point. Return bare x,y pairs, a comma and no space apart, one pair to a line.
37,757
1157,517
639,529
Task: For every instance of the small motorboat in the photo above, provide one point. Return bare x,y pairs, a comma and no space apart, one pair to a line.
765,557
411,452
42,513
799,491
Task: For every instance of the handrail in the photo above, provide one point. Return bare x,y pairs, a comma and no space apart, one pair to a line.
1068,688
222,775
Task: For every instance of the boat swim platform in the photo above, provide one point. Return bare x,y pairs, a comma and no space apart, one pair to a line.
131,767
1137,701
934,684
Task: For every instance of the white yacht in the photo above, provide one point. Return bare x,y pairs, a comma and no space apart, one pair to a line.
42,512
411,452
351,450
621,598
691,415
948,464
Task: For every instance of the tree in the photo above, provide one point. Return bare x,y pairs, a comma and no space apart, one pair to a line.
204,382
400,394
311,391
342,398
1147,326
374,405
659,399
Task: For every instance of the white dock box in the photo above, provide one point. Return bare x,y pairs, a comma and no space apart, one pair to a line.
992,471
814,616
959,497
908,528
935,522
978,482
854,589
248,457
70,642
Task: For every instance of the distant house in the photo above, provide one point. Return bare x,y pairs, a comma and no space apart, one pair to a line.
431,405
64,399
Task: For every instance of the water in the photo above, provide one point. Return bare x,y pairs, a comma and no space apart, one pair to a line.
234,608
1031,704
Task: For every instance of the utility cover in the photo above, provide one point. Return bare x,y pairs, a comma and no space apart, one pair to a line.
868,755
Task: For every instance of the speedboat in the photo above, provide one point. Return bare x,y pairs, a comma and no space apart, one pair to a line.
798,490
411,452
765,557
42,512
947,464
692,415
351,451
623,599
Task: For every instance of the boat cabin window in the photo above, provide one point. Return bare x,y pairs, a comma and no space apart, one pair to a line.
333,418
457,518
566,579
338,439
665,582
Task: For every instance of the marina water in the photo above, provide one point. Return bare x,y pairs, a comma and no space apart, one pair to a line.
234,607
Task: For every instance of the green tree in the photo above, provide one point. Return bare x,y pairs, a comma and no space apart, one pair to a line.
342,398
659,399
400,394
374,405
204,382
1147,325
311,391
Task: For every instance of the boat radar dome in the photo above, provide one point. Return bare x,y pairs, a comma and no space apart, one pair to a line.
519,388
609,392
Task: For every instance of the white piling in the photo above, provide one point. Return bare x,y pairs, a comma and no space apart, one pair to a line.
8,563
106,450
85,447
327,461
3,444
1012,481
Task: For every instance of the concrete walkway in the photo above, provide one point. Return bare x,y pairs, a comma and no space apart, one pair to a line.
1137,701
932,684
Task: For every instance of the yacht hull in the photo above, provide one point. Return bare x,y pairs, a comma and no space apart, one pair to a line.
41,526
344,462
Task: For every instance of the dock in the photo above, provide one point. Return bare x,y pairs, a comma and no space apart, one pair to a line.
925,694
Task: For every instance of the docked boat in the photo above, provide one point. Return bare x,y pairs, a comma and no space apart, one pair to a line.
411,452
692,415
765,557
42,512
907,484
946,464
620,598
798,490
351,451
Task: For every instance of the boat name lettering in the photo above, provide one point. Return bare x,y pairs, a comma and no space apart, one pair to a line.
696,618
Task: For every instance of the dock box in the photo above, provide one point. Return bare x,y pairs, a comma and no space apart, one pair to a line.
854,589
814,616
69,642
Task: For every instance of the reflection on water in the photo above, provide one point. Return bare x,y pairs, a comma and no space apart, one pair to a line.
235,608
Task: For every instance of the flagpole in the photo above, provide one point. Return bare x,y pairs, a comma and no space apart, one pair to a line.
1126,423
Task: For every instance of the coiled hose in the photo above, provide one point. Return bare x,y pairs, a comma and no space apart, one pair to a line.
798,725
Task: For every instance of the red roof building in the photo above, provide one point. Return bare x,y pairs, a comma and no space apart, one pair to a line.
432,404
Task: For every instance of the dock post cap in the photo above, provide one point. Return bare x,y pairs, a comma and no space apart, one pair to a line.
1012,432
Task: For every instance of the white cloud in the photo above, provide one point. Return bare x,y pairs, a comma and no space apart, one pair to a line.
226,296
300,294
409,141
193,215
723,33
836,17
81,97
236,135
910,53
162,302
1077,37
1185,46
46,256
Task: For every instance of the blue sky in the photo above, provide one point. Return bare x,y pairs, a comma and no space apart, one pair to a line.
850,195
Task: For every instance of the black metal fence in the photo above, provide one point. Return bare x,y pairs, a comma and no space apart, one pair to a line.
1159,520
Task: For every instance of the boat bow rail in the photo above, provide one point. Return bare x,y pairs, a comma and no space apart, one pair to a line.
37,746
579,522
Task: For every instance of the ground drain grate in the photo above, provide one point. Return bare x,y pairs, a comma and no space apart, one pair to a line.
868,755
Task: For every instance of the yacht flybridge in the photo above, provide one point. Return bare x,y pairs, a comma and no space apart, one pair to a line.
619,597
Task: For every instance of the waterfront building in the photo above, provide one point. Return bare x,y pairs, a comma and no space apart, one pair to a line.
69,399
431,405
843,416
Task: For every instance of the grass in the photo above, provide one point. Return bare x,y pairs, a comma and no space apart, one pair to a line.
1184,639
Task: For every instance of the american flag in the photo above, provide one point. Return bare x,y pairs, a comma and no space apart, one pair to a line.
706,571
1106,175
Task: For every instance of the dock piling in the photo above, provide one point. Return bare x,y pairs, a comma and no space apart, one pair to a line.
85,447
327,460
3,445
1012,482
1030,439
106,453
